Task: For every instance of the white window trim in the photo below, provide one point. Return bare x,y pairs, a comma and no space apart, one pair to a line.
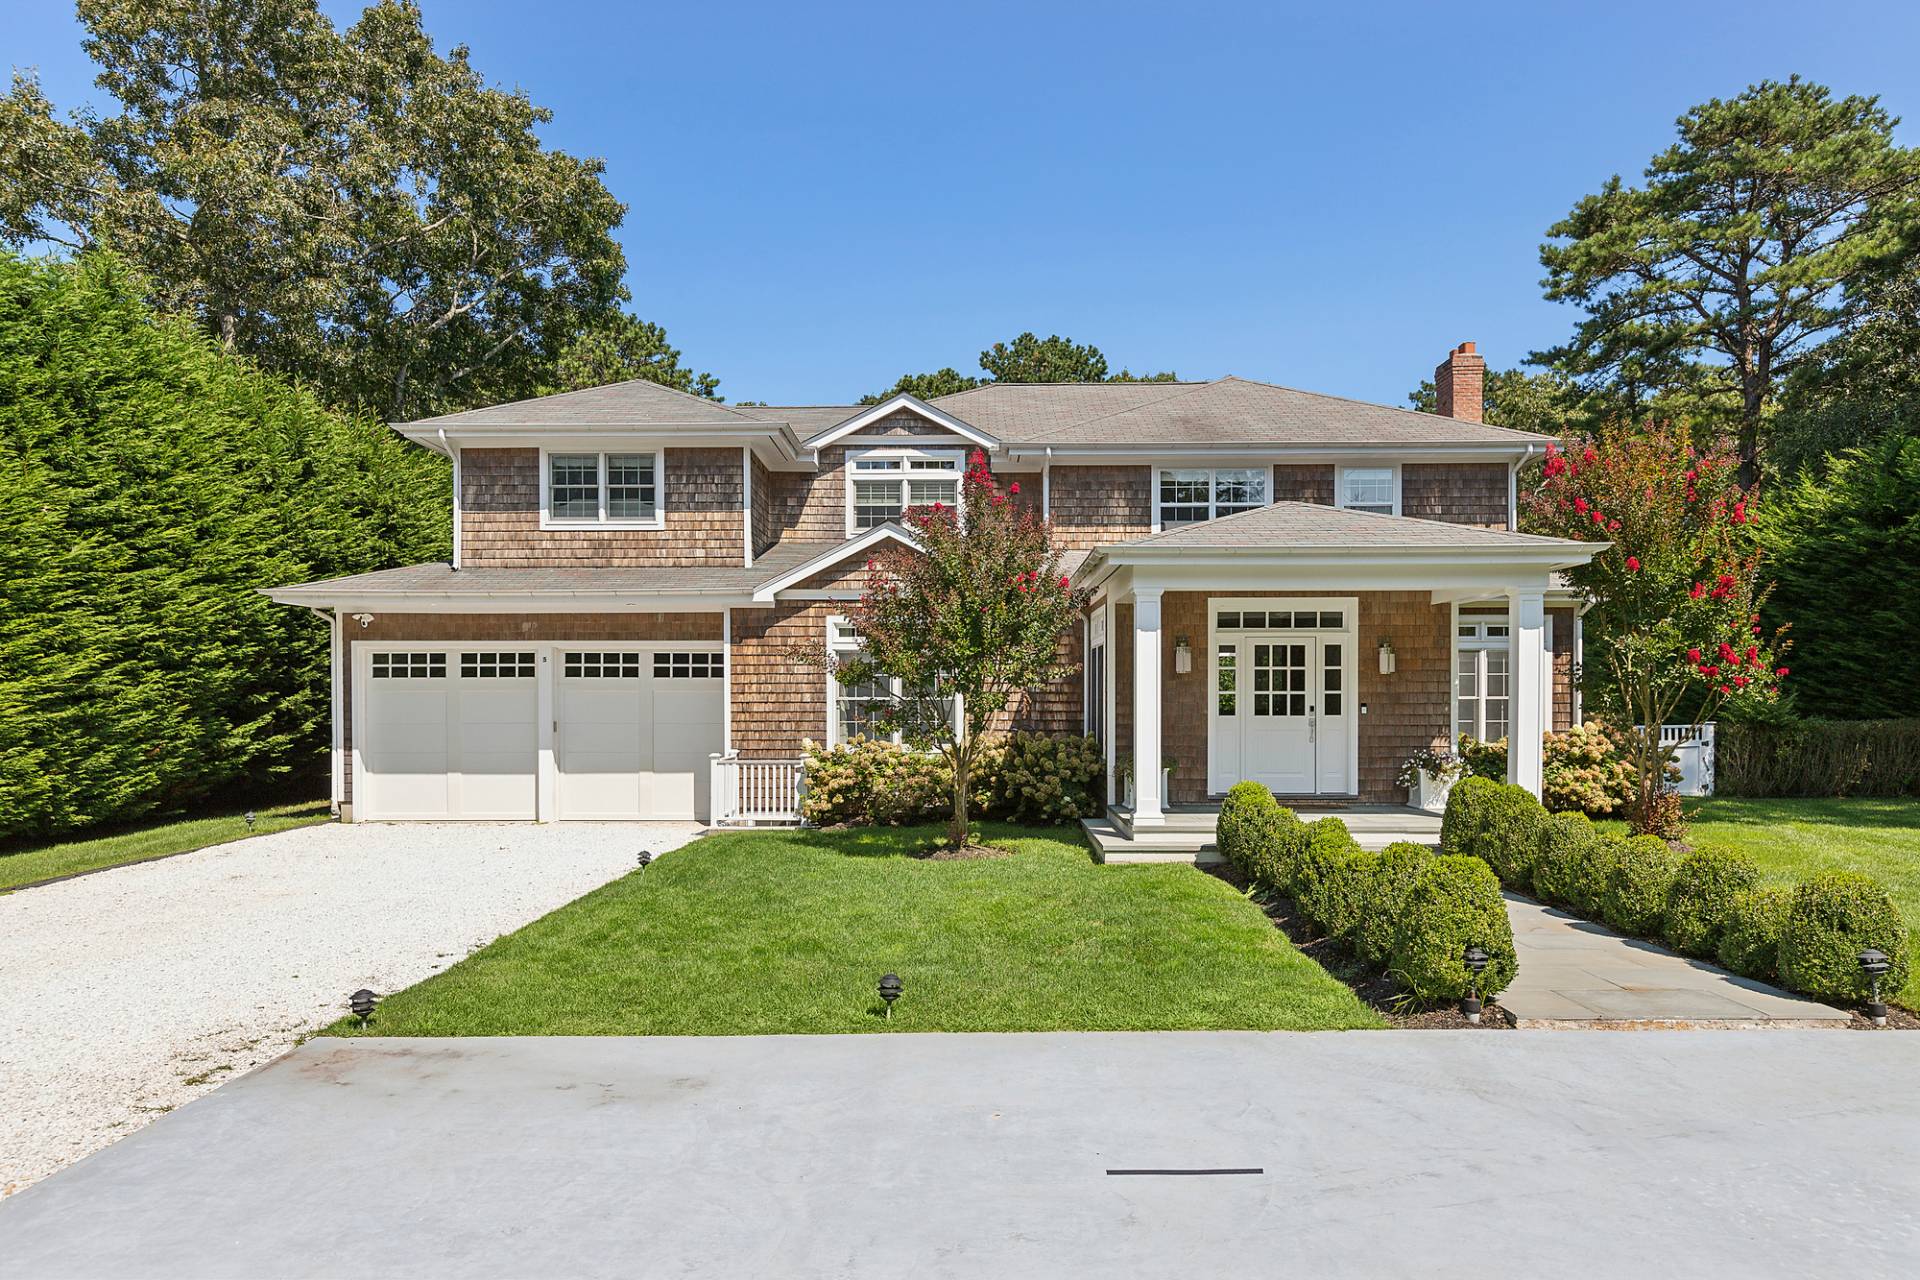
1349,636
1213,470
958,457
1340,481
603,521
1479,645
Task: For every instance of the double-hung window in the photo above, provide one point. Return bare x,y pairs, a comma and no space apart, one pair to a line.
1189,495
1483,680
884,483
1373,489
594,490
854,706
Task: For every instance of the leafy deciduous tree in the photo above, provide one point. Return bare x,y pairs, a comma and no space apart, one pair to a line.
623,349
1025,359
974,613
1720,275
1676,599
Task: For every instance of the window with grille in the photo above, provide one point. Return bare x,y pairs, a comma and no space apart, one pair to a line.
886,483
1369,489
1190,495
687,665
409,666
602,666
486,665
1280,620
1279,679
1483,679
603,488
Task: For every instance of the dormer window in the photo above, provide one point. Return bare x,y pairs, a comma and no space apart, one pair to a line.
600,490
883,483
1375,489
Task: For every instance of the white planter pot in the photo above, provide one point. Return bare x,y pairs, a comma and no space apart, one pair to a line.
1166,789
1430,792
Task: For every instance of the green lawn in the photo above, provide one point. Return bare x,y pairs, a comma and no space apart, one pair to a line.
1790,839
767,932
43,863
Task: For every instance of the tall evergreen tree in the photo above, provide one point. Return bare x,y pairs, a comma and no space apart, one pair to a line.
1027,358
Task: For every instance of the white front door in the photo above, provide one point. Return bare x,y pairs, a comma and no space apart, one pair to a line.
1280,713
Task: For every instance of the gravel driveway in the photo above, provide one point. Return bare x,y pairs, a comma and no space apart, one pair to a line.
127,993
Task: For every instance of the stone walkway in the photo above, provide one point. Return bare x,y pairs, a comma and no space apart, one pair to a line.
1575,974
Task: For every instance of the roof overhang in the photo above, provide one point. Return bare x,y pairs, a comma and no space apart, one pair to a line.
1443,572
361,600
1148,453
895,404
766,592
774,442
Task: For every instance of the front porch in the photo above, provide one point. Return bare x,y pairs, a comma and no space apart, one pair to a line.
1314,651
1186,831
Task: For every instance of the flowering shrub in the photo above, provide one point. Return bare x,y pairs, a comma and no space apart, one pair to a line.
1675,596
1437,761
1585,769
876,783
1484,759
1043,779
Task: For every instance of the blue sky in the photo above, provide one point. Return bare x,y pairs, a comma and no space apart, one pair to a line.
823,197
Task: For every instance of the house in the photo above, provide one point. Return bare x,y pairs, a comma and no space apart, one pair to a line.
1293,588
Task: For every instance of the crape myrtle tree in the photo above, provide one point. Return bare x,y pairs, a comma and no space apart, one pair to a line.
1676,597
961,624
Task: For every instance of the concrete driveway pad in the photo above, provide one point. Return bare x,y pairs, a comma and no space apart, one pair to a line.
1381,1153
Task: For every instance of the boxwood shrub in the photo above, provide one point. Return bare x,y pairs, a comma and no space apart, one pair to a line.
1452,903
1701,900
1329,846
1247,818
1635,899
1831,918
1465,817
1568,842
1750,936
1392,873
1510,834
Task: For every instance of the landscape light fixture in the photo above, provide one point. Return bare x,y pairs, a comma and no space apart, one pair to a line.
250,818
645,859
362,1002
1476,960
890,991
1874,964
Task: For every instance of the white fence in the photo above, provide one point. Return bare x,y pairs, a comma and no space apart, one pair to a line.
747,793
1692,749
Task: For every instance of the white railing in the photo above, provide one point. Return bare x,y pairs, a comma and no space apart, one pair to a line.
746,793
1692,747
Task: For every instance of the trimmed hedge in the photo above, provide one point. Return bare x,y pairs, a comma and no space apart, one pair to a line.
1329,886
1453,903
1568,843
1700,902
1750,937
1497,822
1246,817
1831,918
1818,758
1465,818
1393,872
1638,882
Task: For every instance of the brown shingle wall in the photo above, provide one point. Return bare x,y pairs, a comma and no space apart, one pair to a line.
500,516
1405,711
1471,493
779,699
766,521
1303,483
1563,622
509,628
1093,506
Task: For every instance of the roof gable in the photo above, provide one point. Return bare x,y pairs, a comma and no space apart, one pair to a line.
907,404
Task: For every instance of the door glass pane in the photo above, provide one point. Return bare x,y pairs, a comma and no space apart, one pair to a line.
1226,679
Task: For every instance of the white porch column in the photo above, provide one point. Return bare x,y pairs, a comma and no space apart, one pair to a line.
1526,613
1146,709
1109,680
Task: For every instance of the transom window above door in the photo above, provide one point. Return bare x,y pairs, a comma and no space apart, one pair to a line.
883,483
1375,489
1279,619
596,490
1189,495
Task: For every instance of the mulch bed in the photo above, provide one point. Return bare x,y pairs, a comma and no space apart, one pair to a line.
966,853
1377,989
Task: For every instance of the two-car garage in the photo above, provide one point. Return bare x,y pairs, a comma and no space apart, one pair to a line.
488,732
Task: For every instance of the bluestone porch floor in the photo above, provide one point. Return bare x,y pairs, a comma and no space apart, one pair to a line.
1574,974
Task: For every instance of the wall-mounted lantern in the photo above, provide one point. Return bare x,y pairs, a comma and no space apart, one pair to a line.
1182,656
1387,662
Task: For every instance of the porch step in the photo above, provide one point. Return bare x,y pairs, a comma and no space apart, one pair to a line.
1114,842
1395,822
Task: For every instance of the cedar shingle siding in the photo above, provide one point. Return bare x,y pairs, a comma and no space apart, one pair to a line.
500,515
1093,506
1303,483
1472,493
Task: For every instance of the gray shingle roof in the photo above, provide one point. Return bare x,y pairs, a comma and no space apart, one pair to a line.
1225,411
1309,524
634,403
441,578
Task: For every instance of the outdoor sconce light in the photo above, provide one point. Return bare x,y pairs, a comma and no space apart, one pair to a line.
890,991
1476,961
1386,658
362,1002
1874,964
364,619
645,859
1182,656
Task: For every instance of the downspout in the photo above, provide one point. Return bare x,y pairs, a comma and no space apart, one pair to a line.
1046,486
335,757
1513,488
453,453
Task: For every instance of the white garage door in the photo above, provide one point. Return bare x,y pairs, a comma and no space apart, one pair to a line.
634,732
448,733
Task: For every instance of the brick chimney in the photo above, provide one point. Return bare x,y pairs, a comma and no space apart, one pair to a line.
1460,382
